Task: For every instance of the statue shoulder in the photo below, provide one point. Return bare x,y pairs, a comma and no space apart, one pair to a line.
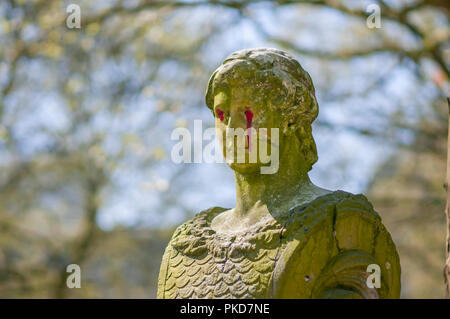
356,223
195,229
342,207
337,234
332,208
188,239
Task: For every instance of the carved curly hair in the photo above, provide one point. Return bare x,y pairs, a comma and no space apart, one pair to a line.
285,88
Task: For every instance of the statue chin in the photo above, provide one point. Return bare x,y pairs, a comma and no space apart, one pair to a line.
245,168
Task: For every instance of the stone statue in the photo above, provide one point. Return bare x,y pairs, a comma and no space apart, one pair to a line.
286,237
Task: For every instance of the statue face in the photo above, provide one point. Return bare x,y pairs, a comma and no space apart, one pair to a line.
242,108
264,88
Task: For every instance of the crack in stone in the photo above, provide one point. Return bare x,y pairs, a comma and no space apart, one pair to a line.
334,228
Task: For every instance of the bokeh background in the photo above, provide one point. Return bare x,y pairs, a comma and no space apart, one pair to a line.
86,117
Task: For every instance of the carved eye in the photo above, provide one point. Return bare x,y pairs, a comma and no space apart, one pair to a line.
219,113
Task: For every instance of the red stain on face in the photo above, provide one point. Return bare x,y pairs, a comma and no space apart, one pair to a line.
219,113
249,117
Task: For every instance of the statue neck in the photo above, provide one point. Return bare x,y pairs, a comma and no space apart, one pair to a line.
266,190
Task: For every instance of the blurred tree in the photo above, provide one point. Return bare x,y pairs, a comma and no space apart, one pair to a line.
86,115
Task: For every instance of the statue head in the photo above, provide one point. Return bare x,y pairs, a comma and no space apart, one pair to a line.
265,88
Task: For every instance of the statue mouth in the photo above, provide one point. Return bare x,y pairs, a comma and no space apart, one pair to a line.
253,145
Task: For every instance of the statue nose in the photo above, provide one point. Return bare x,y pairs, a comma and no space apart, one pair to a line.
237,120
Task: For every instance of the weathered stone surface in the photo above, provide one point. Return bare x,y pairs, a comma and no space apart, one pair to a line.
286,237
299,257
